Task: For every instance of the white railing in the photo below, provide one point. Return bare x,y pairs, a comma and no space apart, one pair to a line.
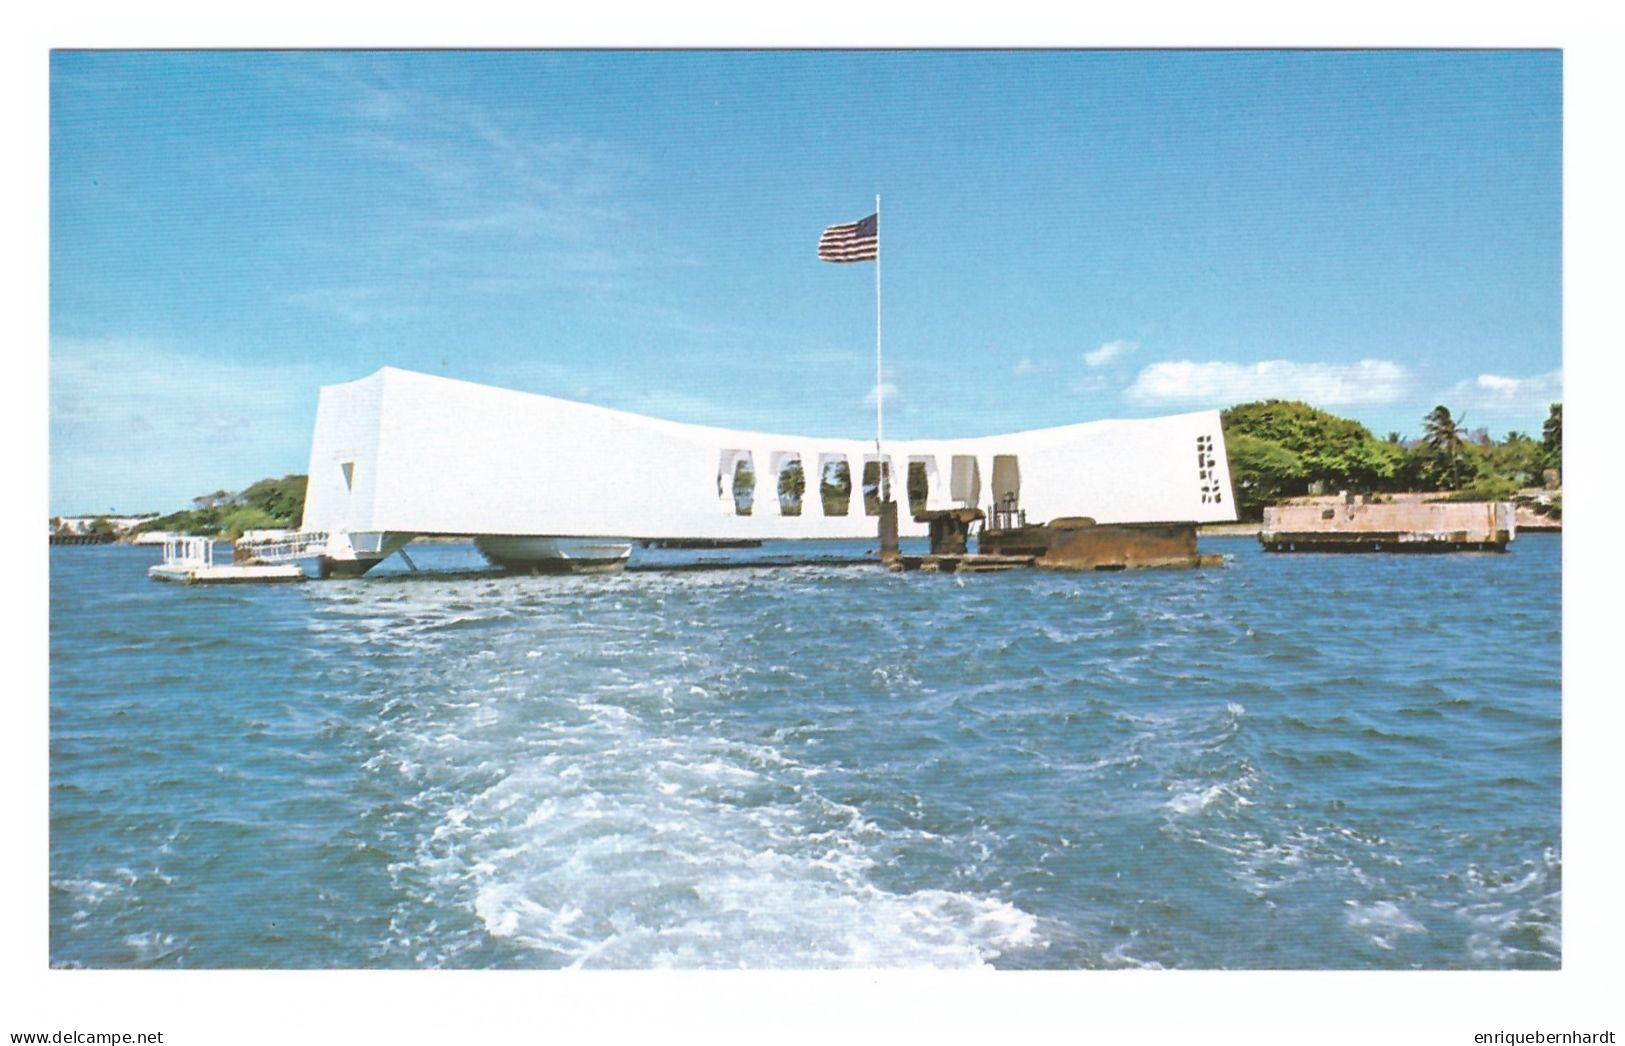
300,544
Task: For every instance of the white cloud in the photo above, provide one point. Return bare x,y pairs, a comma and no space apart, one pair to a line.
1027,365
1500,396
1496,384
1366,383
885,391
1111,350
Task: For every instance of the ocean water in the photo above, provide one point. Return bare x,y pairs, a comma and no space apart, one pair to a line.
1292,761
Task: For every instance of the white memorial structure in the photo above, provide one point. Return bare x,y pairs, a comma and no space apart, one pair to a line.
548,483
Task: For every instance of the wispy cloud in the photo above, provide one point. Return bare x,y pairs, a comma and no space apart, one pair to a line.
792,361
1088,383
1109,352
481,201
357,306
1366,383
442,198
141,425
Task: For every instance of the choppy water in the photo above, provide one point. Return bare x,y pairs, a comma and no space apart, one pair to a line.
1293,761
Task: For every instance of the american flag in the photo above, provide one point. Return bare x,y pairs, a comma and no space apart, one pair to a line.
859,241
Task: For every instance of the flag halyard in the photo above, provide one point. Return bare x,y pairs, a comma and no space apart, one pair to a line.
854,242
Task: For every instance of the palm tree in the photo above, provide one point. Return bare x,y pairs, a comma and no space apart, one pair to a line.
1551,437
1443,433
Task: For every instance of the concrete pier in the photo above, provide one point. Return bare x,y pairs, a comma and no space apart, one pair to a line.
1358,526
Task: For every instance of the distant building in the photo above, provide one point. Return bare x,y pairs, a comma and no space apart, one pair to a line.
87,524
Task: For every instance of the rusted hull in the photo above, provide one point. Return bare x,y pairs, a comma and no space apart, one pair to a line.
1108,546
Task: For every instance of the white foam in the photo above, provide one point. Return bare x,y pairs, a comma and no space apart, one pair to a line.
638,849
1189,800
1515,913
1119,956
88,891
1381,922
151,946
1194,802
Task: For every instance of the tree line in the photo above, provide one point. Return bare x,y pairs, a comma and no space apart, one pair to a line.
270,504
1280,449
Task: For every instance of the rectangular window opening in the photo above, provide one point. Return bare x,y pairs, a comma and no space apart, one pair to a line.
834,484
792,485
876,480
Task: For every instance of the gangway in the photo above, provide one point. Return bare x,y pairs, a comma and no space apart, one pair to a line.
286,547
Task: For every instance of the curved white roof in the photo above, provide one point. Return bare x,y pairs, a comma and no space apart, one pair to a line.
403,452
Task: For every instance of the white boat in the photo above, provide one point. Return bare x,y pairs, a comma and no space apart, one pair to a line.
543,555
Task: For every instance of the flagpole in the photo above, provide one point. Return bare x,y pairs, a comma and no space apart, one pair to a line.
884,474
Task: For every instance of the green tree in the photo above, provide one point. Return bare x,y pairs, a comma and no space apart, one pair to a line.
1551,437
919,487
1517,459
234,521
874,479
1338,452
792,486
270,504
1262,472
283,500
835,488
1278,448
744,488
1442,434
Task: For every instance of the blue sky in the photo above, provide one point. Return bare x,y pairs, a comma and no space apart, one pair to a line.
1065,236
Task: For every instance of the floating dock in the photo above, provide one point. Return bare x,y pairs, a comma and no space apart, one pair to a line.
224,575
190,561
1363,526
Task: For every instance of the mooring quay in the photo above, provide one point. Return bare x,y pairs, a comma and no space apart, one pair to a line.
1361,525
